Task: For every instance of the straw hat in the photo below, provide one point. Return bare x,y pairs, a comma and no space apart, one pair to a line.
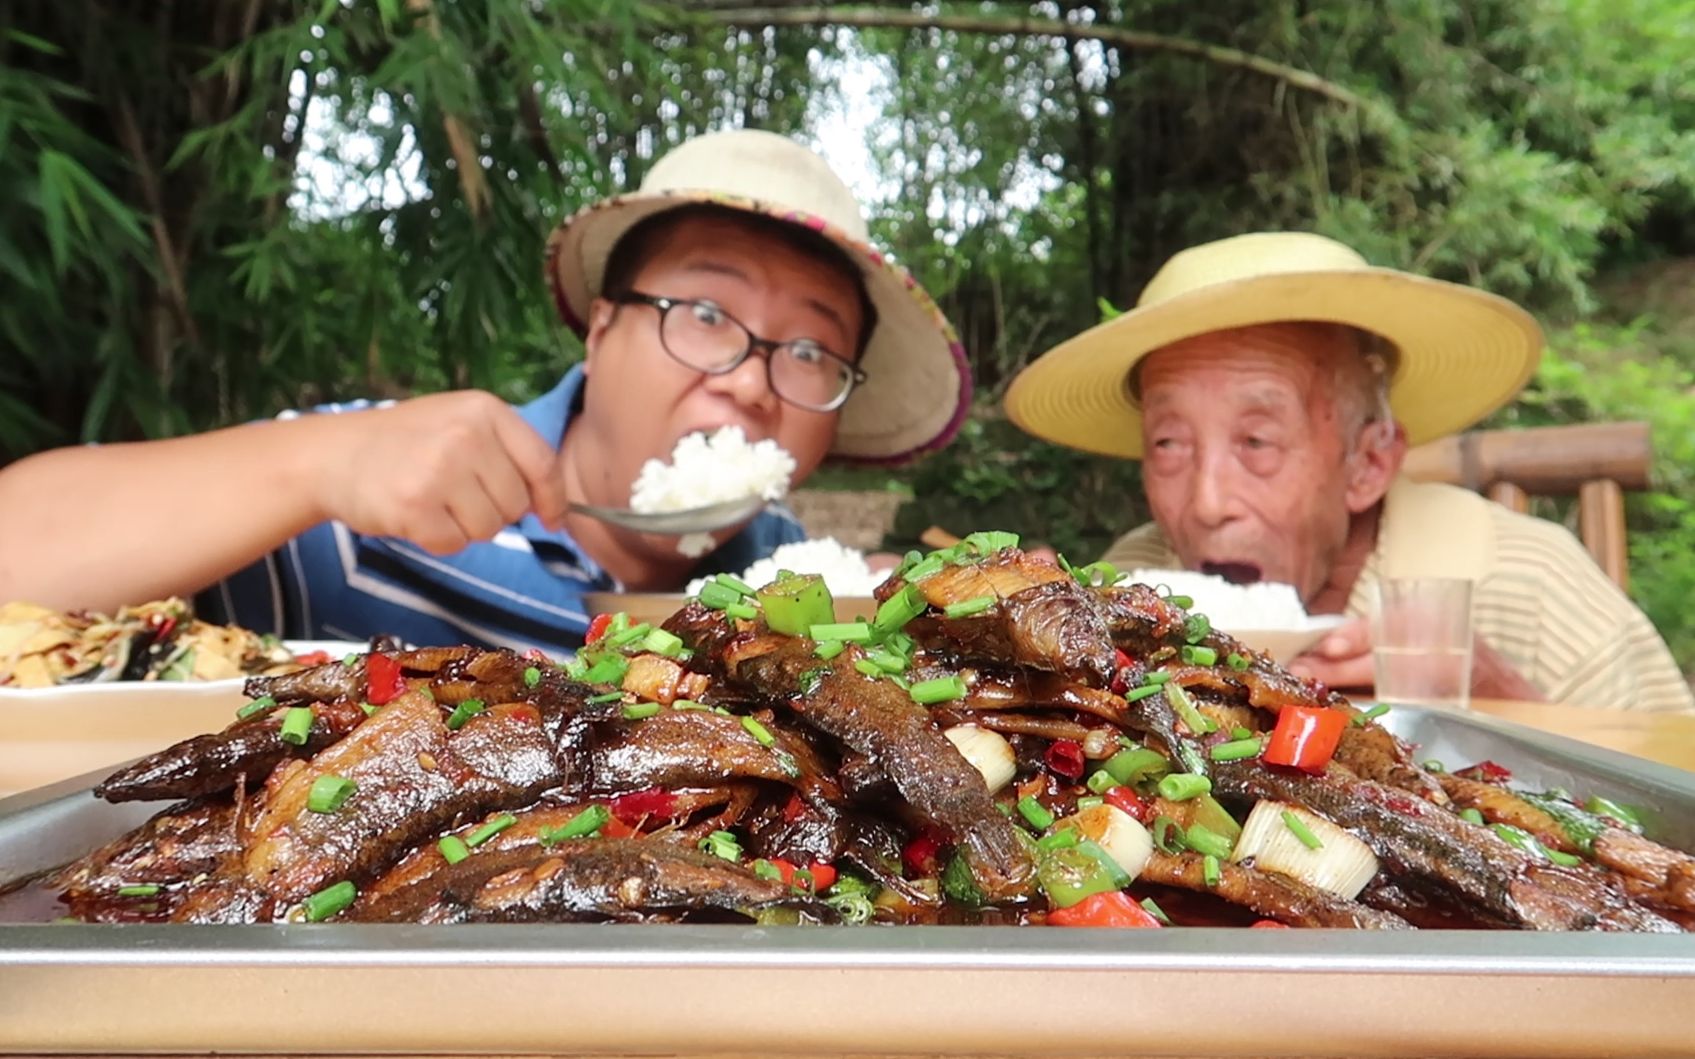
918,386
1461,353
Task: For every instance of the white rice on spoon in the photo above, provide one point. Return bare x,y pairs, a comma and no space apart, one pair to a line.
707,469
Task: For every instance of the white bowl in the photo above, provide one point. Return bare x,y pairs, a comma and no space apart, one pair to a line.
51,734
1284,644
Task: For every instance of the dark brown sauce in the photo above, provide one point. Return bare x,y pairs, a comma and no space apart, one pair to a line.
32,900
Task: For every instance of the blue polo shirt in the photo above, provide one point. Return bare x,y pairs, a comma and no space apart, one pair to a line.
523,589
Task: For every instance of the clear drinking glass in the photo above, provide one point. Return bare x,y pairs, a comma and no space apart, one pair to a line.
1421,638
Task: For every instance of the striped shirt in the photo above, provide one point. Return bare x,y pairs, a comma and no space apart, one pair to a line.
1537,597
524,589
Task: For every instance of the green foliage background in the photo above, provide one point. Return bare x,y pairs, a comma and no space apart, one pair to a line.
182,248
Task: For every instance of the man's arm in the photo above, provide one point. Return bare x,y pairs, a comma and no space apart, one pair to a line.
108,525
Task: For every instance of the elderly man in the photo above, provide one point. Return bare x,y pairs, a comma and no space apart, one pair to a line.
735,288
1271,384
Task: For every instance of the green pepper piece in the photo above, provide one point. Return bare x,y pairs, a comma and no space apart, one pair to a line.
958,883
1070,873
793,604
1578,826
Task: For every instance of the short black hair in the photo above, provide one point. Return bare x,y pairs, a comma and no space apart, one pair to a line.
641,244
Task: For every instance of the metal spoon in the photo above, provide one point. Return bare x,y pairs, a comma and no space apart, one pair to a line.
677,523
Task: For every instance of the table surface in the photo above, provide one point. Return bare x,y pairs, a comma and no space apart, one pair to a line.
1668,738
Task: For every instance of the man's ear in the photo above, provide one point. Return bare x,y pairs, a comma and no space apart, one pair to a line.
601,315
1378,453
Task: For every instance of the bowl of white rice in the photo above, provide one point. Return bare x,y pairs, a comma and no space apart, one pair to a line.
844,570
1266,615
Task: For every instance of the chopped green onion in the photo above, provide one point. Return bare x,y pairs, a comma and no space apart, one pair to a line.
1101,573
1181,786
899,643
926,568
967,607
1624,814
734,584
1089,801
532,677
1432,765
1236,661
351,659
758,731
576,669
609,669
1195,629
766,870
1100,781
1363,719
640,711
490,829
887,661
689,704
988,542
851,631
329,901
1198,723
900,682
1471,816
1038,815
627,635
1205,840
1198,656
1181,601
899,609
867,667
744,611
810,679
1561,857
661,642
582,825
1143,692
1061,839
1301,830
605,696
941,689
828,649
1209,871
328,793
1156,911
462,713
259,705
368,708
139,890
1168,835
1239,732
620,622
296,725
453,849
1236,750
1156,678
722,844
717,597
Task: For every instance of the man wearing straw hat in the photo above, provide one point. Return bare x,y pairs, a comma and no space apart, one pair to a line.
735,288
1271,384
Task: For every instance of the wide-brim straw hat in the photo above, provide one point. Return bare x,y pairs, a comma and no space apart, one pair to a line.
1460,353
918,386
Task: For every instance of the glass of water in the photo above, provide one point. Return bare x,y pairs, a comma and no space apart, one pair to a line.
1421,639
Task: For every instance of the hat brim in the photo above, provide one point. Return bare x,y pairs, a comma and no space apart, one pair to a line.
917,391
1462,353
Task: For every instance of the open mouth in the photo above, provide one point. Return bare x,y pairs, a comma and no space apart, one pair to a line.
1235,573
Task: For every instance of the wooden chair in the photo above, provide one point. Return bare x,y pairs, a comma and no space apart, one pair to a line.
1596,462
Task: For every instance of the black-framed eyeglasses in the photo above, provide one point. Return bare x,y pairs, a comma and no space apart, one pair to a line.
702,336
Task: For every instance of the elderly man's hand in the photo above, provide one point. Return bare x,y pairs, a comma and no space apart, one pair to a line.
1341,660
440,471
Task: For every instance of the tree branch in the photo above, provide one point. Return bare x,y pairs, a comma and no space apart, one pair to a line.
862,18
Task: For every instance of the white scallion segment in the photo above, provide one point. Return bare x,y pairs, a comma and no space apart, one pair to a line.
988,753
1342,865
1125,840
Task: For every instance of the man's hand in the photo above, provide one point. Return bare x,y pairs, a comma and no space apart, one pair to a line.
1341,661
441,471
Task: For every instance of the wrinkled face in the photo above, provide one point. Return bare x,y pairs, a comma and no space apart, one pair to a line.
1246,463
640,400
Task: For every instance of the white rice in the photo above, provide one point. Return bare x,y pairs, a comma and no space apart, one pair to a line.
1261,605
710,469
843,568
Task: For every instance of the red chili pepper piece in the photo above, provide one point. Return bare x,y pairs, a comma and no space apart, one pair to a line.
313,658
922,853
383,679
1270,924
1065,758
1487,771
597,628
1121,662
637,806
823,876
795,809
1113,909
1305,737
1129,801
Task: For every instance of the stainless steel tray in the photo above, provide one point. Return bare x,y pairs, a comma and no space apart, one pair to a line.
670,990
